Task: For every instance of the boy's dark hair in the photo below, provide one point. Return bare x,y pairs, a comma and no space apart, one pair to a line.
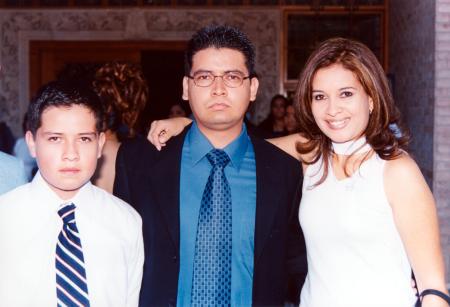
220,37
64,94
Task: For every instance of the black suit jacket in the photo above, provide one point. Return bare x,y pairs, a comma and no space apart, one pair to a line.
149,180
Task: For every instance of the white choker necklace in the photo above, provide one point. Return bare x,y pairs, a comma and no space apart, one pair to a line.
358,146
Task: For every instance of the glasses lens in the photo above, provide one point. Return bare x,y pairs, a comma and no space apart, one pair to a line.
203,79
232,79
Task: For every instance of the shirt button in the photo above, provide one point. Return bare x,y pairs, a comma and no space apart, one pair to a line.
174,258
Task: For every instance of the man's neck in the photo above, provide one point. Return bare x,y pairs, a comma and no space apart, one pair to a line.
221,138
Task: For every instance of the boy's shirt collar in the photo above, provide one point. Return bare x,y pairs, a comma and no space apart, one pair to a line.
52,201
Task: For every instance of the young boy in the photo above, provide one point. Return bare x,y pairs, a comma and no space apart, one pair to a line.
64,241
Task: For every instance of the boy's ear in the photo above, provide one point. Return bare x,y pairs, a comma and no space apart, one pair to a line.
29,138
101,143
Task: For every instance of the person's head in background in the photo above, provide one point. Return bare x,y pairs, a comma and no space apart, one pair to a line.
290,120
177,110
65,135
278,105
123,92
220,81
273,125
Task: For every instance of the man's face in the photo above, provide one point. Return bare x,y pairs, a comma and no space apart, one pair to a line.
66,147
218,107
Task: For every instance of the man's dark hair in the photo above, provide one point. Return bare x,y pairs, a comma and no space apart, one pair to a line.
220,37
64,94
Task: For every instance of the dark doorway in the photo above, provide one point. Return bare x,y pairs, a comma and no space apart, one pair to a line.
161,62
164,71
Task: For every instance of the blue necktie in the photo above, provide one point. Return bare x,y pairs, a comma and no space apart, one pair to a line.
211,281
71,286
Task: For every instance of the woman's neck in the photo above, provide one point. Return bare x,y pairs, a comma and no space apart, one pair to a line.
358,146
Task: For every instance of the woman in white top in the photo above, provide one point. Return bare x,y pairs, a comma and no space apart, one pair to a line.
367,213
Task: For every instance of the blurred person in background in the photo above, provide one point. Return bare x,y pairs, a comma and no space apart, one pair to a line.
178,110
21,152
273,125
290,120
124,94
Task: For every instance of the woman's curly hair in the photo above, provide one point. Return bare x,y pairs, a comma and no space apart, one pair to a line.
123,91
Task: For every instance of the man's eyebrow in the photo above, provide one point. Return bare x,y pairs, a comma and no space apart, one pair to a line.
201,70
235,71
225,72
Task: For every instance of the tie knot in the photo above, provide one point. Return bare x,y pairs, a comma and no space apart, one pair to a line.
218,157
67,213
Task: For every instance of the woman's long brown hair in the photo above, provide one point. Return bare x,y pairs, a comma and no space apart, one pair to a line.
357,58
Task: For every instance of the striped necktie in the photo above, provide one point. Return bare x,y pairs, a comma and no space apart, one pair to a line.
71,286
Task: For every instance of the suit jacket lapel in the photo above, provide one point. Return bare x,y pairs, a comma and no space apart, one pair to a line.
165,184
266,197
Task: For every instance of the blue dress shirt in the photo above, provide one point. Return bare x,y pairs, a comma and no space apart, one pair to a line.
241,175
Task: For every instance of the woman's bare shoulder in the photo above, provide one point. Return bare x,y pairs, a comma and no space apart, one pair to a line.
401,167
289,145
404,182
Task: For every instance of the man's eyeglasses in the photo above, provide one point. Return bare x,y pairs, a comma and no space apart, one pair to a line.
230,79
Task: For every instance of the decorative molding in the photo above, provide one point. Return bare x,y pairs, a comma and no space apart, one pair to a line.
19,27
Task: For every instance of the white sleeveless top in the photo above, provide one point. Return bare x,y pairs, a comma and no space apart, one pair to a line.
355,255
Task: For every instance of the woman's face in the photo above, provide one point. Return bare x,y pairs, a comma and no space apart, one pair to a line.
278,108
176,111
290,122
339,104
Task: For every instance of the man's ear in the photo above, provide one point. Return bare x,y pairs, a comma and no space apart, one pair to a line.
29,138
254,85
185,94
101,143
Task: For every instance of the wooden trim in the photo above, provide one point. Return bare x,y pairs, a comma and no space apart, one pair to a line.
283,63
289,84
281,4
386,35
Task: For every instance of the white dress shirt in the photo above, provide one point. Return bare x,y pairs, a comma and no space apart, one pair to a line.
111,238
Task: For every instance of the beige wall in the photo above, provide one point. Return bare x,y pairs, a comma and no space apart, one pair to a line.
441,178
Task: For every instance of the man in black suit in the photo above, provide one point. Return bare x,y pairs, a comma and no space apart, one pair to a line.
215,234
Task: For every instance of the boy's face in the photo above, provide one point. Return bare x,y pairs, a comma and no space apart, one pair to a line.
66,147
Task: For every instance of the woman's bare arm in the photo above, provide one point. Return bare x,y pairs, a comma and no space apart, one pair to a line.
416,219
162,130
